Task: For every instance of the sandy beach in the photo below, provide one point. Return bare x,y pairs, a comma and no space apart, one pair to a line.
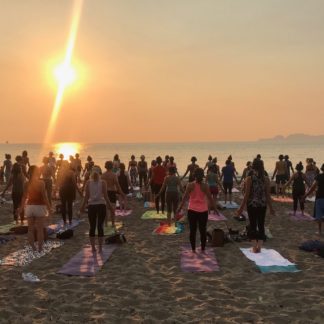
143,282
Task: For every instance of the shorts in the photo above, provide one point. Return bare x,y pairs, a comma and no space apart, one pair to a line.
228,186
282,178
319,209
213,190
112,195
36,211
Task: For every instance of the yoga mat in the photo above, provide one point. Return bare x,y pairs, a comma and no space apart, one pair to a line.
233,205
5,229
300,217
109,230
165,229
122,213
311,199
55,228
269,258
87,263
234,190
198,262
27,255
282,199
215,217
7,238
151,214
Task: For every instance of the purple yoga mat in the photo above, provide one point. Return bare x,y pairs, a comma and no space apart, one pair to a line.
198,262
215,217
86,263
300,217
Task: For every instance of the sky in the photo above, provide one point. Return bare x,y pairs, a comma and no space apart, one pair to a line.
163,71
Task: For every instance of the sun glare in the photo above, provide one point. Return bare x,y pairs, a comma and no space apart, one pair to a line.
65,74
67,149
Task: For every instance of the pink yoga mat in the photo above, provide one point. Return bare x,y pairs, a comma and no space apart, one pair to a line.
299,216
282,199
121,213
215,217
198,262
86,263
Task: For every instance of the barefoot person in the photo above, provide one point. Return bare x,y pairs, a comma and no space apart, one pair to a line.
125,185
7,166
17,180
158,175
228,174
318,185
191,168
256,198
198,194
213,182
142,171
97,200
113,188
132,169
171,187
36,206
298,180
280,172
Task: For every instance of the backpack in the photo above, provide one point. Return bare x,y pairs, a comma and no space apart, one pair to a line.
65,234
217,237
117,238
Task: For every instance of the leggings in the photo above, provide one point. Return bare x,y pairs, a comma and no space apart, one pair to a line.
67,205
157,189
172,200
16,200
96,215
142,178
297,197
197,219
256,218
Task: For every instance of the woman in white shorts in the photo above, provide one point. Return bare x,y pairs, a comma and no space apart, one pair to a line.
37,207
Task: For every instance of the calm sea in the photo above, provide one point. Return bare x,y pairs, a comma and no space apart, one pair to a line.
241,152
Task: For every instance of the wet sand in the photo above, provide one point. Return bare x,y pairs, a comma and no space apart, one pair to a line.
142,281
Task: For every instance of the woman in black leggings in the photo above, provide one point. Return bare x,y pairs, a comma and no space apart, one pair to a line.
256,198
198,194
97,199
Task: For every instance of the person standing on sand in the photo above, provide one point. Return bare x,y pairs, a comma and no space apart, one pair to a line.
125,184
166,161
132,169
318,185
171,188
17,180
7,166
280,174
36,206
191,168
208,163
311,171
228,174
298,188
25,159
19,160
66,182
213,182
172,164
256,198
113,188
158,175
142,171
198,194
289,167
97,200
47,176
52,163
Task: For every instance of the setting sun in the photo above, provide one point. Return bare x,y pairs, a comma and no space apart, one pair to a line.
65,74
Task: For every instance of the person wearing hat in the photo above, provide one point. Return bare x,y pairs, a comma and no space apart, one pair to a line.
97,200
191,168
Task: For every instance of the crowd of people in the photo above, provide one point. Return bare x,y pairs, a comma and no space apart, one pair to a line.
34,188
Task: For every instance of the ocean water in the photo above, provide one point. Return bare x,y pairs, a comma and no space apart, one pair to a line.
182,152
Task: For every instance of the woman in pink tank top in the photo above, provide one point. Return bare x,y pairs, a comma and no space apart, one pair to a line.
199,199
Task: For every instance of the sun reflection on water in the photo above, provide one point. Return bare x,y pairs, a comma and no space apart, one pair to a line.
67,148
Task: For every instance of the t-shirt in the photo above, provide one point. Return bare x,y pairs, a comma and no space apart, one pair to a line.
320,186
159,174
228,173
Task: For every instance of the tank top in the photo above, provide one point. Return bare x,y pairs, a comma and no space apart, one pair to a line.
172,184
197,200
95,193
142,166
211,180
298,185
34,196
257,196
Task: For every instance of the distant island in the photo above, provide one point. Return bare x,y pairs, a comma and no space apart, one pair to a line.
295,138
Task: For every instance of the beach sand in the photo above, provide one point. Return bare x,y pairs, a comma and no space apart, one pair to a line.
142,281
